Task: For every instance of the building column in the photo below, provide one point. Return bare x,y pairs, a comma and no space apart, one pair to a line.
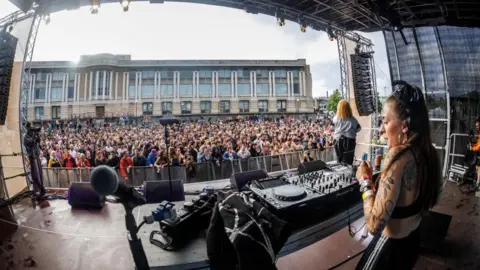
49,87
274,93
97,81
254,83
251,83
177,84
136,86
64,88
236,84
110,87
125,86
213,85
32,88
232,84
197,82
159,85
75,84
116,85
304,82
194,88
85,89
91,85
216,83
140,91
155,86
104,84
270,83
288,84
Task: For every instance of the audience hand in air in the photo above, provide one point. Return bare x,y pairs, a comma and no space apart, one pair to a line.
364,171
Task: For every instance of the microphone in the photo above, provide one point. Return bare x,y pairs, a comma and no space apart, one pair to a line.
105,182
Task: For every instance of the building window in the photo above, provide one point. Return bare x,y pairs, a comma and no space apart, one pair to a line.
205,74
186,90
244,106
281,105
100,111
57,77
56,93
56,112
147,108
205,90
71,86
243,89
205,106
166,90
186,107
166,107
281,89
132,84
296,89
262,89
40,93
147,90
262,106
224,89
38,113
224,106
224,73
280,74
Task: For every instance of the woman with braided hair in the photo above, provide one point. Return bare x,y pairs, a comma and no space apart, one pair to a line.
408,186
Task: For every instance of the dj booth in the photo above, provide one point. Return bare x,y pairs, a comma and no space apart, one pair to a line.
194,254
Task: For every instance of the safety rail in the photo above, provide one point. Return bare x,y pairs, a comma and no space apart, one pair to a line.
200,172
453,156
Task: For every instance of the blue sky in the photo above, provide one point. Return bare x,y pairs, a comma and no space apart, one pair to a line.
193,31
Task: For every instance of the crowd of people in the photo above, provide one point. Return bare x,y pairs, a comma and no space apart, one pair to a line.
125,146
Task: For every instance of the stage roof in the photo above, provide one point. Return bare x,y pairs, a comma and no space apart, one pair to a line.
349,15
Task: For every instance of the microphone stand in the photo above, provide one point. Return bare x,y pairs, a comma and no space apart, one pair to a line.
167,143
136,247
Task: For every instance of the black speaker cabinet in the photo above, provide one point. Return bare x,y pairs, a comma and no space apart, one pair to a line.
8,46
158,191
239,180
311,166
81,195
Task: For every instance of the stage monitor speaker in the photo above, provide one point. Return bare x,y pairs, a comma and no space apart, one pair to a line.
239,180
311,166
81,195
159,191
8,45
362,83
433,230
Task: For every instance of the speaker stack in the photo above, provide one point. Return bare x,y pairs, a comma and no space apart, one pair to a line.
8,45
362,81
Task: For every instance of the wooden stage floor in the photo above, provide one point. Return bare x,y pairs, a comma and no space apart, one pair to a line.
52,236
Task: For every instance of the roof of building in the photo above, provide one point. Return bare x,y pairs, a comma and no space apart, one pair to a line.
126,61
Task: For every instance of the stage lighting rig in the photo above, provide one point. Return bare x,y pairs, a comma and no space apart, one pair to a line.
331,34
303,25
280,18
125,4
94,5
47,19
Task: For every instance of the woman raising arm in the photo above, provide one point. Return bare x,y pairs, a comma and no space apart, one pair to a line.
408,186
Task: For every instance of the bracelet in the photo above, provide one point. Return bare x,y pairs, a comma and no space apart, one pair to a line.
365,182
365,188
367,194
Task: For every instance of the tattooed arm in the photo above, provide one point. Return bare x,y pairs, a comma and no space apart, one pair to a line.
378,209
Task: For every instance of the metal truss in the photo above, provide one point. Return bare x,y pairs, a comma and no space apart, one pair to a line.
24,87
343,60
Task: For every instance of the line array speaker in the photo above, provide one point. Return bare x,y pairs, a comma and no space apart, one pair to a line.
362,83
8,45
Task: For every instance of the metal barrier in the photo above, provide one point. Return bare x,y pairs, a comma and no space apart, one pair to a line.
456,153
201,172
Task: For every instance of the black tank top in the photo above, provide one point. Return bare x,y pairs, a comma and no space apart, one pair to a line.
400,212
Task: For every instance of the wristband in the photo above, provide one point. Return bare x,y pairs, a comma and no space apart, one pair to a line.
365,188
367,194
365,182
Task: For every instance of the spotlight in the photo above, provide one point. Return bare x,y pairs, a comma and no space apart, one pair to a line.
95,4
303,25
303,28
47,19
280,21
10,28
125,4
331,34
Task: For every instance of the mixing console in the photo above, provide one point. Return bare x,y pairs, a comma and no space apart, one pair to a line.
325,181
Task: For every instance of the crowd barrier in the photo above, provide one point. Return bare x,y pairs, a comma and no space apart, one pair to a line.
202,172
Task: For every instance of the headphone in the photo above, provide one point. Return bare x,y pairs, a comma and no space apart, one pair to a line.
409,97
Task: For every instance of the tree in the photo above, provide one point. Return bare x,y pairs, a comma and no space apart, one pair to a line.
379,105
333,101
